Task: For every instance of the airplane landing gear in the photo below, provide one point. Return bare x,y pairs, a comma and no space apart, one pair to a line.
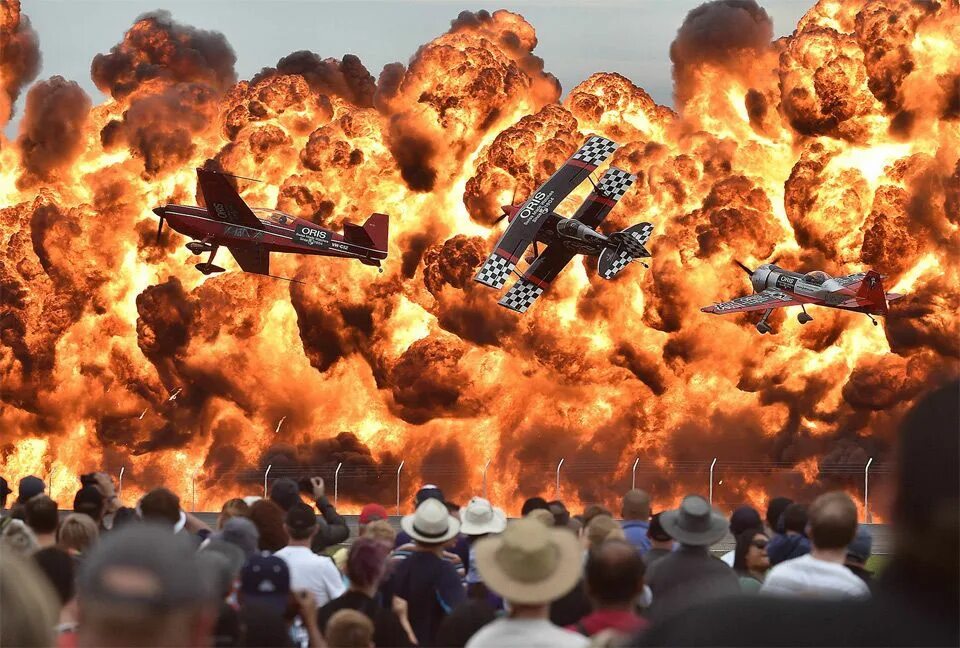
871,318
198,247
803,317
762,325
208,268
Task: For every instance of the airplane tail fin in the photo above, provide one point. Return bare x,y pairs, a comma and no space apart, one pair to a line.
871,289
630,247
372,234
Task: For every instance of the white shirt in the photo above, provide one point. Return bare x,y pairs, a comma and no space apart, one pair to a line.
810,577
536,633
308,571
728,558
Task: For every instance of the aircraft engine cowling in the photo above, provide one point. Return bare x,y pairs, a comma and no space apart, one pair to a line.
763,277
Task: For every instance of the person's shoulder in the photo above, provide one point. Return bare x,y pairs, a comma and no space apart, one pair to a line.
487,635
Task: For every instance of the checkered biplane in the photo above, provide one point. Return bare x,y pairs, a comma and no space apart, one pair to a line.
534,221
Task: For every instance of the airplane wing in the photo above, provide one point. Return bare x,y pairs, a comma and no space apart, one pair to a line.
537,278
252,258
524,226
223,201
767,298
604,197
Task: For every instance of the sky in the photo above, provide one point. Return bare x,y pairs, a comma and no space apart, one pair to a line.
576,39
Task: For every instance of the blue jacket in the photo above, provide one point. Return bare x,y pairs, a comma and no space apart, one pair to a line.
636,532
784,547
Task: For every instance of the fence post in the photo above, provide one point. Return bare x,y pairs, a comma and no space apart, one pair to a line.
712,464
633,477
265,474
398,486
120,485
194,489
557,492
279,425
485,466
866,491
336,484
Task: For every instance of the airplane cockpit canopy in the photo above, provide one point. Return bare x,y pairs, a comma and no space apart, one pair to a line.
817,277
273,215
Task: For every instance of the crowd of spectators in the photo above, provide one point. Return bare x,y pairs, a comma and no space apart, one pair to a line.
282,571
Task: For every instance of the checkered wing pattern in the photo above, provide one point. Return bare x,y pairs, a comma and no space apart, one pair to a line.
595,150
494,271
615,183
630,246
521,296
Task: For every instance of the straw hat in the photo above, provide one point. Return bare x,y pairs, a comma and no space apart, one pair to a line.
431,523
530,563
479,517
695,523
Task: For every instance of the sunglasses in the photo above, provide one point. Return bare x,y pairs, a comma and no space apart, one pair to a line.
759,544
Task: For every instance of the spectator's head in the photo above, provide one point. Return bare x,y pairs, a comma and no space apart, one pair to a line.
561,516
464,621
636,505
795,518
858,551
268,518
89,501
77,533
529,564
543,516
367,563
750,553
695,523
124,515
927,502
532,504
231,509
832,521
659,538
29,605
743,518
371,513
300,522
452,508
57,565
349,629
229,567
775,510
427,491
431,525
217,573
30,486
161,506
593,511
600,529
41,515
479,517
381,531
142,586
19,539
285,493
614,574
240,532
265,580
4,492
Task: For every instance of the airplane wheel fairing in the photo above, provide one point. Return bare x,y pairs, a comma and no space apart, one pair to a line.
803,318
208,268
763,327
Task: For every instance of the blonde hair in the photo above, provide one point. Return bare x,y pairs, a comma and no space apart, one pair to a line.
349,629
380,530
601,528
78,532
30,608
19,538
543,516
231,509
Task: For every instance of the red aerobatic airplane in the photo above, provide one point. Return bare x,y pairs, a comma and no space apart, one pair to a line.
251,234
775,288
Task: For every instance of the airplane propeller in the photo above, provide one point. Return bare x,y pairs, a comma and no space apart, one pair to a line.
744,268
513,199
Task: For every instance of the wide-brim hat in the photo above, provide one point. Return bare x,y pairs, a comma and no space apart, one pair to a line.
479,517
530,563
431,523
695,523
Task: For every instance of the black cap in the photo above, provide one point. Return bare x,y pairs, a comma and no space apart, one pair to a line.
30,486
4,488
655,530
428,491
300,517
164,569
285,493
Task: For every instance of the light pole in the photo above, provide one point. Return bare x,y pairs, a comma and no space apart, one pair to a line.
120,485
336,486
557,492
265,475
633,478
279,425
866,491
398,486
712,464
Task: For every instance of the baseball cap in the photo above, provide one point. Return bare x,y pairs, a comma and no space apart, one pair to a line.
372,512
285,493
30,486
266,579
743,518
142,565
239,531
300,517
859,548
656,532
428,491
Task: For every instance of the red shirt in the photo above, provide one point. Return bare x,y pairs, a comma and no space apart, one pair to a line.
620,620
